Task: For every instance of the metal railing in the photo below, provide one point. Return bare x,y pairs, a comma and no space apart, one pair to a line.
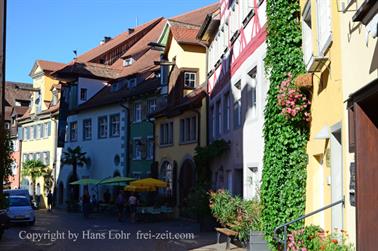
284,226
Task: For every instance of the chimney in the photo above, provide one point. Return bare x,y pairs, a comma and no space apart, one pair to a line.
105,40
131,30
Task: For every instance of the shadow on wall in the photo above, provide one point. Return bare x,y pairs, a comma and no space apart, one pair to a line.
374,62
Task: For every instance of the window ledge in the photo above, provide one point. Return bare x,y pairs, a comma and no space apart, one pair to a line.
166,146
188,142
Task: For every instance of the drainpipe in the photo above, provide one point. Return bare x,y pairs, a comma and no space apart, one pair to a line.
207,95
127,156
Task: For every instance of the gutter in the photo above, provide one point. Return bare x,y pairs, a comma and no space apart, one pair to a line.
207,94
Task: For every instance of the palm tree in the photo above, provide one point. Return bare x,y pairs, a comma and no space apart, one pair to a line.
34,169
75,157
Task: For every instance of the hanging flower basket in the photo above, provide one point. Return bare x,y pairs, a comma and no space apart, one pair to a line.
304,81
294,103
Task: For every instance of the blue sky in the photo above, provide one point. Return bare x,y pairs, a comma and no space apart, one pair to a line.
52,29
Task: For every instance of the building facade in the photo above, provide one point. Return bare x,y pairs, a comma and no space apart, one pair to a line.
38,127
237,87
359,55
17,102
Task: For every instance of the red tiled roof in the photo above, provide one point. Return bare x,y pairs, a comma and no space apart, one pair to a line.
87,69
143,64
49,66
184,33
13,93
142,44
114,42
196,16
106,97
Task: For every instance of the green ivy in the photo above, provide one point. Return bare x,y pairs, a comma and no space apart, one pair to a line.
285,159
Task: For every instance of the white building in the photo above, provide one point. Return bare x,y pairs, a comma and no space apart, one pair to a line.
237,87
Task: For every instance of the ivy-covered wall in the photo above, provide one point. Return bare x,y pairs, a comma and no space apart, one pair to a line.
285,159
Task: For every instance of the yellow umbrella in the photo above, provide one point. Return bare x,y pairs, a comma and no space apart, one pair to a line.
131,188
149,182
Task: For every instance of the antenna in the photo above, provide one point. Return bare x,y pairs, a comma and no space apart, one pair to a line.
75,52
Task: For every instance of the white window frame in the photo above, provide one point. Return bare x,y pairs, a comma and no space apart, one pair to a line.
137,112
188,130
73,131
87,129
151,105
190,79
115,122
102,127
307,46
324,25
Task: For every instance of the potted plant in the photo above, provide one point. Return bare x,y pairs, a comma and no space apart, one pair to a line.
242,216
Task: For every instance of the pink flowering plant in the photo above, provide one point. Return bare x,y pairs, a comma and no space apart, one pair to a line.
294,103
313,238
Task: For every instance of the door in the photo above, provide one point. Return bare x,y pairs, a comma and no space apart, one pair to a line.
366,135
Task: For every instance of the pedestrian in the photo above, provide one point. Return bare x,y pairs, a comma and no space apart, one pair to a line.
132,207
120,203
86,202
38,195
94,202
49,201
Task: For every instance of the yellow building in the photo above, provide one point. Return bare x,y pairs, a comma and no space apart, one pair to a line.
359,55
322,57
39,124
180,126
340,50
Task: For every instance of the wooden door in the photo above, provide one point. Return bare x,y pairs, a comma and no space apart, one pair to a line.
366,135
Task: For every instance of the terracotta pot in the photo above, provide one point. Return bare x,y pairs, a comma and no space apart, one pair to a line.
304,81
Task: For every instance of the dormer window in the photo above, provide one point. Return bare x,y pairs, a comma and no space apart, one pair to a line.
190,79
128,61
132,83
83,94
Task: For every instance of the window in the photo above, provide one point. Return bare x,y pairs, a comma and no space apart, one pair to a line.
73,131
83,94
188,130
42,128
87,129
128,61
25,157
26,133
218,126
38,156
227,112
150,148
237,114
151,105
247,6
46,158
102,127
131,83
7,125
114,125
307,33
166,133
324,24
137,153
137,112
31,132
234,18
38,131
47,128
190,79
253,84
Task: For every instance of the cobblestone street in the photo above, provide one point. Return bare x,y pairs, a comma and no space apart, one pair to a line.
100,232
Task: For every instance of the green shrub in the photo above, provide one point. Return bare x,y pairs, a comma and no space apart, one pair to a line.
242,216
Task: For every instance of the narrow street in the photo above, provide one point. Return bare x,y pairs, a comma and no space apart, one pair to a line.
100,232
